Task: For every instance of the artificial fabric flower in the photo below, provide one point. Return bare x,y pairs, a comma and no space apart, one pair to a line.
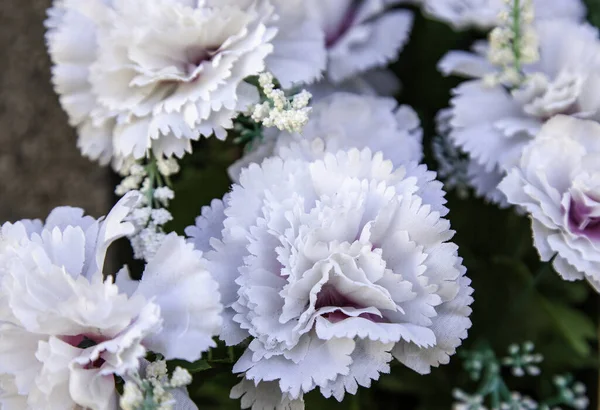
483,14
376,82
344,121
460,172
333,267
359,35
72,44
557,181
155,76
336,40
66,330
493,125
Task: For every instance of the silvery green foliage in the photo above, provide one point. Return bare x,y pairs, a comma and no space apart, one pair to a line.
494,392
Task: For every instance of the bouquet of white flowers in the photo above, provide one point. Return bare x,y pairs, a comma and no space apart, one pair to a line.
336,262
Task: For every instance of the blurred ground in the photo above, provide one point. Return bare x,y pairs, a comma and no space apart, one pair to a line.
40,165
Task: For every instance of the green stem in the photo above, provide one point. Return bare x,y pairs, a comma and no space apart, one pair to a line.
516,43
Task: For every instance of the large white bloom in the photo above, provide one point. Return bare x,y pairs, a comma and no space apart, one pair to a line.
558,183
156,75
484,14
66,330
493,125
333,267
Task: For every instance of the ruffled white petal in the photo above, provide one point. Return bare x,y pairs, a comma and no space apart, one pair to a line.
177,281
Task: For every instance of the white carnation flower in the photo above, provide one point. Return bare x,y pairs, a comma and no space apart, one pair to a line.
336,40
72,44
484,14
343,121
66,330
558,183
359,36
333,267
376,82
459,171
493,125
156,76
299,55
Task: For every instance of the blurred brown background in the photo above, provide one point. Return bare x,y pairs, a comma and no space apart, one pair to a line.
40,165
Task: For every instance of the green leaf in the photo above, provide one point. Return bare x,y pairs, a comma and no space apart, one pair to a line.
593,11
574,326
195,367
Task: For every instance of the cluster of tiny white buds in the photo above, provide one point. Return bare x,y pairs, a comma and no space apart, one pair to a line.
513,44
148,236
523,360
571,393
134,176
150,215
163,195
157,370
467,401
132,397
167,166
181,377
278,111
519,402
153,392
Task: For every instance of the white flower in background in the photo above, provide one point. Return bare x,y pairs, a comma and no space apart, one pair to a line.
359,35
335,40
376,82
160,74
71,38
66,330
460,172
343,121
557,182
333,267
299,55
484,14
493,125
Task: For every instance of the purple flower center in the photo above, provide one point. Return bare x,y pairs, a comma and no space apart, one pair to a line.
83,342
336,33
329,296
583,217
195,57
